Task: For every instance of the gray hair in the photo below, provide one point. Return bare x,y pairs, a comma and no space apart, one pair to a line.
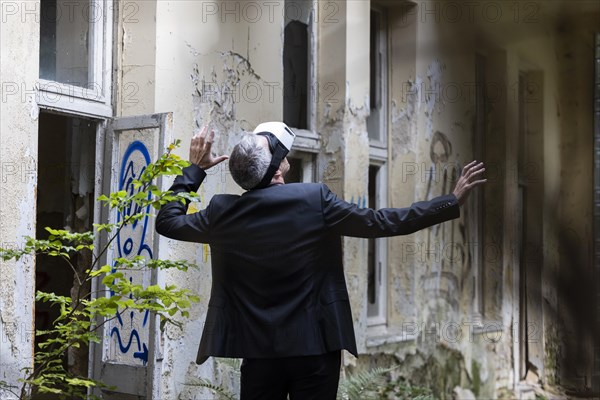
249,161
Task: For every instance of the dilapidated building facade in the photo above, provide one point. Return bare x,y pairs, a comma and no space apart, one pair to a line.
389,100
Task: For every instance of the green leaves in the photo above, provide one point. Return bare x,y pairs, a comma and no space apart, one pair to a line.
60,243
144,192
81,315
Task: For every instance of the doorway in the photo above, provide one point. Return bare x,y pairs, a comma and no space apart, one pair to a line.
65,200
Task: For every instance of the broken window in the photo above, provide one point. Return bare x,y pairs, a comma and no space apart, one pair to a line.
297,56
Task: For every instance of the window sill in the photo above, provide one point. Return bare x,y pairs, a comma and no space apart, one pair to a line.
488,326
381,335
306,140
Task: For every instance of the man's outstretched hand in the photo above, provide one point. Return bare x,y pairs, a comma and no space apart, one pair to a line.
468,180
200,149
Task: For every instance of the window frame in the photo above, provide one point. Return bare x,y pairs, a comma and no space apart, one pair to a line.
379,318
312,90
97,101
308,160
383,48
379,156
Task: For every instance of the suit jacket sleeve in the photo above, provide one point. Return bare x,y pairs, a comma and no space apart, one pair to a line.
347,219
173,221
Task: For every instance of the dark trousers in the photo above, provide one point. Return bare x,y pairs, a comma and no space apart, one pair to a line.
303,378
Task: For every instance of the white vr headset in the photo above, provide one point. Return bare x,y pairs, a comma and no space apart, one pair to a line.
280,139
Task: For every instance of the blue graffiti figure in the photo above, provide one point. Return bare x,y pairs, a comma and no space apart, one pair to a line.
131,241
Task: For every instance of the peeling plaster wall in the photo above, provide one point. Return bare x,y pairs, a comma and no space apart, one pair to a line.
355,147
430,291
18,157
207,66
434,89
135,42
224,70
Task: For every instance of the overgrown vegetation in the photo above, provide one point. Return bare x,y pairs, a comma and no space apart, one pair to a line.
83,314
374,384
377,384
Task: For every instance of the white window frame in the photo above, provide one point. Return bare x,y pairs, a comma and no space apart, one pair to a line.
379,316
382,44
97,101
308,164
379,156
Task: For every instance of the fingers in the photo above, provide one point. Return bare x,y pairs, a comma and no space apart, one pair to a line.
472,166
210,140
469,165
203,139
471,171
200,149
220,159
201,134
476,183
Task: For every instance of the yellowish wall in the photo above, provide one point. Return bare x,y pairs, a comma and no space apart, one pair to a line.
207,65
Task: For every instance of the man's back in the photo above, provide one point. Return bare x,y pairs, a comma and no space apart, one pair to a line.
278,298
278,284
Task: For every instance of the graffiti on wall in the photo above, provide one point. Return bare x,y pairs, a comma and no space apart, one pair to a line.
130,331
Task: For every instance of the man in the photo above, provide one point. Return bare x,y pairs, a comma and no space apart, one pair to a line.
279,298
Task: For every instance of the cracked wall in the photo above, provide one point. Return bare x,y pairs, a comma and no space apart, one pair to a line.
209,67
429,291
18,155
229,73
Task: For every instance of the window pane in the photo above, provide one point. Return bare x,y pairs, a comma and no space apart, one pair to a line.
296,54
64,41
372,286
295,174
376,121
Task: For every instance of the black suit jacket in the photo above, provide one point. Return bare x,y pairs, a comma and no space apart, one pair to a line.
278,286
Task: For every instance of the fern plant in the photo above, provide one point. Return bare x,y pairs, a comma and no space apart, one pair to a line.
403,390
233,366
373,384
76,326
221,392
363,385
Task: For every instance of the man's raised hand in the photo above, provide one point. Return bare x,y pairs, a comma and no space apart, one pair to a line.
468,180
200,150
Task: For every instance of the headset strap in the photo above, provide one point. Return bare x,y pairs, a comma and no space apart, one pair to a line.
279,152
